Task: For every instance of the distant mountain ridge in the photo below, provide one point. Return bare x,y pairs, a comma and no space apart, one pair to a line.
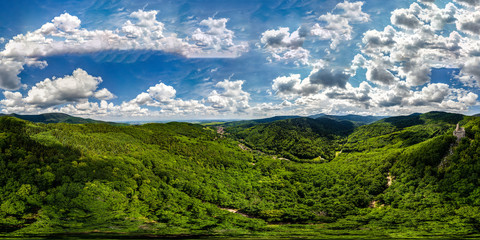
418,118
357,119
253,122
321,134
56,118
297,138
360,119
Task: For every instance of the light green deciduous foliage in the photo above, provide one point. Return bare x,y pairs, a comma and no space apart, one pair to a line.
398,173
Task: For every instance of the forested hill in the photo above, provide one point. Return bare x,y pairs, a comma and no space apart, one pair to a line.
57,118
250,123
404,176
358,119
296,138
320,139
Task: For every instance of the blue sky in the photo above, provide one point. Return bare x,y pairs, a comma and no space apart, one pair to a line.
174,60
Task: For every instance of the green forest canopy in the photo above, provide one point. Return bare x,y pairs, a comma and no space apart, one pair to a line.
400,173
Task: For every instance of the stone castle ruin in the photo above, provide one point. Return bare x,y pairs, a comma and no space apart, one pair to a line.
459,132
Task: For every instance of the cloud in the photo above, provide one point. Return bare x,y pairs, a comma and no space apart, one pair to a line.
71,88
286,46
376,42
329,78
353,11
232,97
162,96
290,87
355,95
14,103
417,41
12,99
468,22
407,18
9,71
217,40
379,75
471,3
470,73
468,98
104,94
65,22
64,35
398,61
396,95
55,95
142,99
415,73
337,27
287,85
228,99
398,98
283,38
438,17
103,110
432,93
426,1
162,92
268,108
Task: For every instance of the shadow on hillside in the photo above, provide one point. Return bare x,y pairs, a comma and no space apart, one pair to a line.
405,121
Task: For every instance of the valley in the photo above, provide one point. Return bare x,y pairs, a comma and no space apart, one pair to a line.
404,176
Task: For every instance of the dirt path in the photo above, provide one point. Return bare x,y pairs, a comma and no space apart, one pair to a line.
237,211
220,130
245,148
389,179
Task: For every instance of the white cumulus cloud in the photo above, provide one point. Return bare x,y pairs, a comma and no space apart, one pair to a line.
78,86
64,35
337,27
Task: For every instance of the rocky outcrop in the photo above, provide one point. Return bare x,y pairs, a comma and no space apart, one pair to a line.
459,132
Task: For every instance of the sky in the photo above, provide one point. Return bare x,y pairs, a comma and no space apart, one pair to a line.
196,59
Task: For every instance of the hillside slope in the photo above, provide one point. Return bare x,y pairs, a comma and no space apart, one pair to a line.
57,118
298,138
358,119
396,175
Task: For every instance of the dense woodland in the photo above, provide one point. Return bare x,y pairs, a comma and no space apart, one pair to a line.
399,174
